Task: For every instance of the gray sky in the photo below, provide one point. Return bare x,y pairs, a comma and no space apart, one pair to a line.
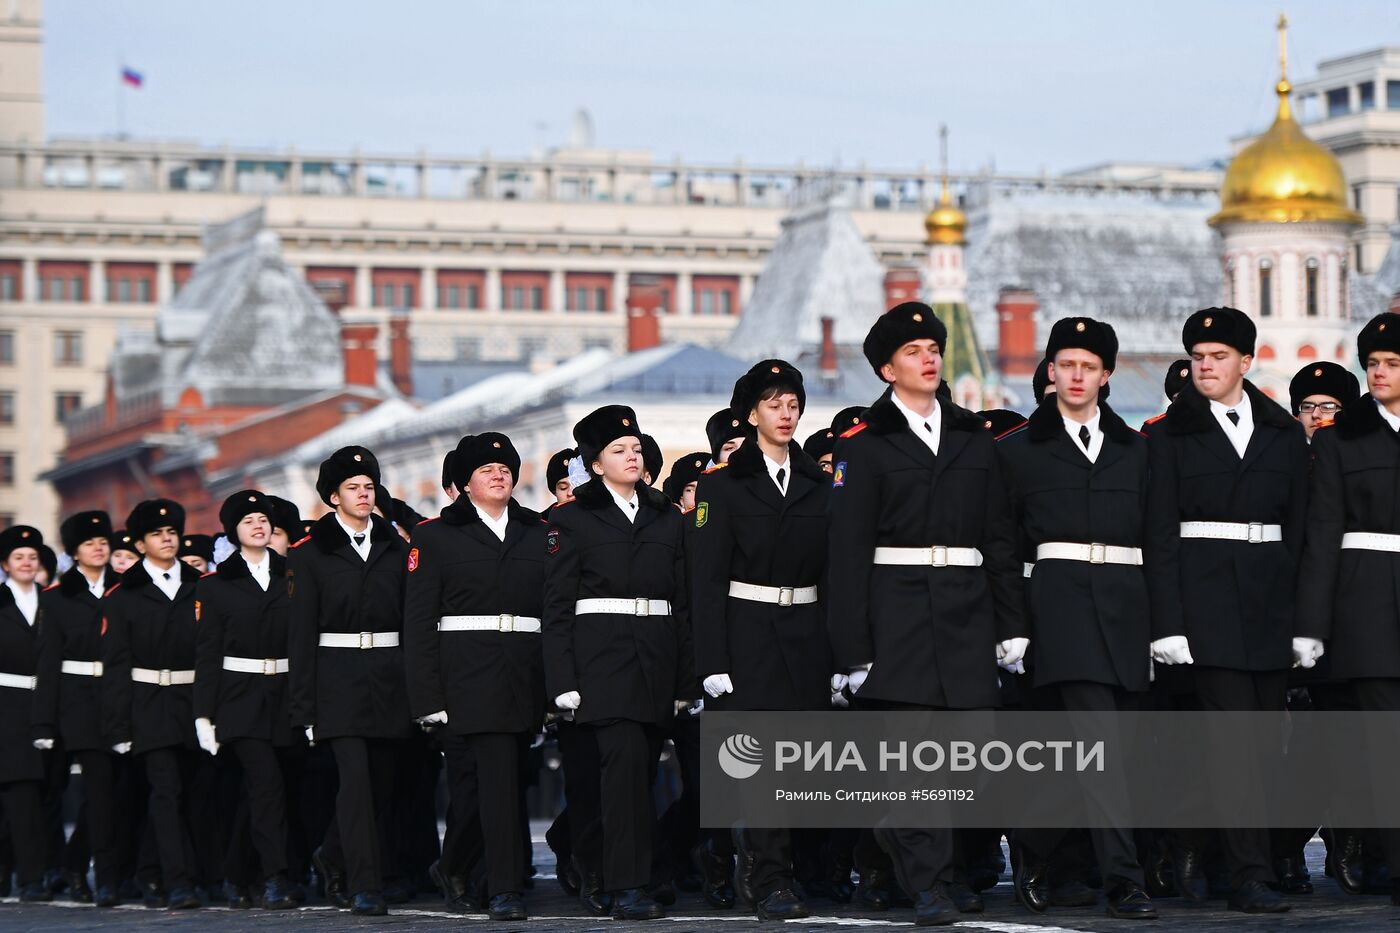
1052,85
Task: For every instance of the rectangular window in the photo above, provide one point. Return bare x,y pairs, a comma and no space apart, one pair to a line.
1392,95
143,291
451,297
600,299
1312,291
517,298
536,298
1266,292
52,290
124,291
68,348
1366,95
1338,102
707,303
407,294
65,403
7,347
580,299
9,287
7,408
1356,197
473,297
7,468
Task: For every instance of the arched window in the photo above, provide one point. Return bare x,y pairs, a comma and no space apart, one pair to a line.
1266,290
1230,282
1266,352
1343,301
1310,271
1307,352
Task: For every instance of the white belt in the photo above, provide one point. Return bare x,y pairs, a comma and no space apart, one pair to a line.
929,556
1027,570
778,595
144,675
1252,532
363,640
82,668
18,681
501,623
265,666
1089,553
622,607
1370,541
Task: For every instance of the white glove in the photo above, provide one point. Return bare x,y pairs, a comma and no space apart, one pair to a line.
718,684
204,731
570,700
1174,649
122,748
1306,651
856,678
434,719
838,684
1010,653
43,745
311,734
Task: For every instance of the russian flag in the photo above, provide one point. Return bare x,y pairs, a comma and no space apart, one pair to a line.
132,77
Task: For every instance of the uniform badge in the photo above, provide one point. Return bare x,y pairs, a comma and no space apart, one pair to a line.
197,606
702,514
838,475
551,541
291,582
412,560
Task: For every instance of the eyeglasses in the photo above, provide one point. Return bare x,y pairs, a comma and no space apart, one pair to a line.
1327,408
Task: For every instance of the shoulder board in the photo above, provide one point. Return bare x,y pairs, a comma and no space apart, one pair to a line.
51,586
115,587
1155,418
852,432
715,468
208,573
426,520
688,511
1010,431
558,505
302,541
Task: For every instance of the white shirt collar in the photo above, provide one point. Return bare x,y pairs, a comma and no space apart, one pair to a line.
1095,434
1392,420
497,525
628,506
96,589
773,468
261,571
363,547
168,585
930,429
28,603
1238,434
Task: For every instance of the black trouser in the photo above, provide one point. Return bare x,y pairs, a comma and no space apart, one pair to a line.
22,803
483,772
583,828
679,826
772,859
357,837
413,817
100,809
1382,695
261,824
170,773
628,752
1247,851
1113,844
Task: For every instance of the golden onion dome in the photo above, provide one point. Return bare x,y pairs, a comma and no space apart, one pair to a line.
1283,176
945,224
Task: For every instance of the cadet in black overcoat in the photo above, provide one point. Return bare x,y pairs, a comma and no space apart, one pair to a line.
1077,475
148,637
346,583
617,636
1225,514
472,625
925,580
240,688
67,701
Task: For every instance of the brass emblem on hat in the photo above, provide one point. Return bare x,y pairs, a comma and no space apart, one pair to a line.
698,463
162,511
1208,321
1382,327
734,423
358,458
24,534
1318,371
776,369
1185,371
918,317
987,424
1079,327
495,443
626,423
95,519
252,498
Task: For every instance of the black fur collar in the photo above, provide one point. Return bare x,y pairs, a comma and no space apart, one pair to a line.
1360,417
884,418
73,582
137,577
1046,422
748,461
593,495
327,534
1190,413
234,567
460,511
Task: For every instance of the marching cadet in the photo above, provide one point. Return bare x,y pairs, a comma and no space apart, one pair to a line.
652,461
685,476
148,653
472,648
1318,391
1040,382
1354,536
759,555
346,583
1226,505
819,447
240,688
846,419
1178,375
925,583
124,552
286,522
66,701
197,551
556,476
1078,481
616,636
22,765
725,433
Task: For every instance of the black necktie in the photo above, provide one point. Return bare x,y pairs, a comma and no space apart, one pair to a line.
1234,417
928,427
782,480
1084,435
166,575
359,539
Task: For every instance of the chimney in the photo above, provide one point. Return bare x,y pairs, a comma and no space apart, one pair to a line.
643,301
1017,350
361,355
400,352
828,368
901,285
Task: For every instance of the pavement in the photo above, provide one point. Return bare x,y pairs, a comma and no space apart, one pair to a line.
1326,909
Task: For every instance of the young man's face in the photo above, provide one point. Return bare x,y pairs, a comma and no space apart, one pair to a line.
916,367
688,496
491,484
354,497
776,418
161,544
197,562
1218,370
728,448
1383,376
123,560
1077,376
1316,410
93,553
563,491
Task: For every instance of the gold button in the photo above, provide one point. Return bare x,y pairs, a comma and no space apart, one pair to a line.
626,423
1318,371
1079,327
987,425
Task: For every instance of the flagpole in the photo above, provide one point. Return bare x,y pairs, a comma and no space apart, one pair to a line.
121,99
